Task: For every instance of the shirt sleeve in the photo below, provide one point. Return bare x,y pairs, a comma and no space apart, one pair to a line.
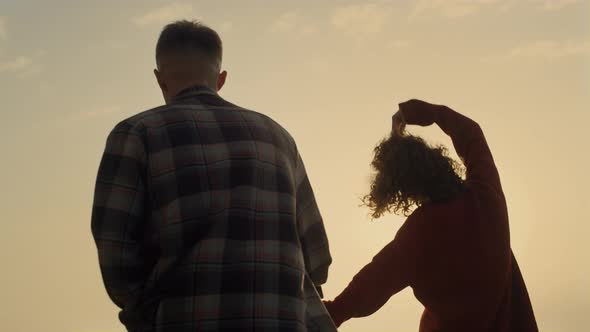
390,271
468,140
312,234
118,215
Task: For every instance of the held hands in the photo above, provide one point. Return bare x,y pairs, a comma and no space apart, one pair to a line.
333,313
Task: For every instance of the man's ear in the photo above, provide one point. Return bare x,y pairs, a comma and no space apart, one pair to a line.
221,80
160,80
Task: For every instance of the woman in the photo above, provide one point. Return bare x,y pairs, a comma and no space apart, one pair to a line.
454,248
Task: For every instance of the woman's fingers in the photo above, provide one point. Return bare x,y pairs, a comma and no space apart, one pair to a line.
398,124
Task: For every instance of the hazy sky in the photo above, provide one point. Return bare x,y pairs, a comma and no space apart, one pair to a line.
332,72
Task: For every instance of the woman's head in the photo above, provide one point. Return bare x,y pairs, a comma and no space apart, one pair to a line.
409,173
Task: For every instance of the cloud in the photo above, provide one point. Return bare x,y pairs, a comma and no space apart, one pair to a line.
360,20
546,50
23,65
398,44
556,4
462,8
18,64
165,14
226,26
451,8
92,113
115,44
102,111
3,31
292,22
286,22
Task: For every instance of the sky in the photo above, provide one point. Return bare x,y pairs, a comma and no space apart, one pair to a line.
332,73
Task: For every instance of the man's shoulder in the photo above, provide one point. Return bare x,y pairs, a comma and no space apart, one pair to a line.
146,117
135,122
161,115
170,113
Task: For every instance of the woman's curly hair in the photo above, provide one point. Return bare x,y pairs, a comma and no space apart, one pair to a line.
409,173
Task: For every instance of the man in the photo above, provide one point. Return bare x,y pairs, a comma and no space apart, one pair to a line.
203,215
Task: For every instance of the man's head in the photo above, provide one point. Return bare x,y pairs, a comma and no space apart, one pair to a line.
409,173
188,53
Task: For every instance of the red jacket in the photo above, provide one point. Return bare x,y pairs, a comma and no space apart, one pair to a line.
455,254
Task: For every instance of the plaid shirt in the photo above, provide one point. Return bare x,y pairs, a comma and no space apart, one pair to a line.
205,220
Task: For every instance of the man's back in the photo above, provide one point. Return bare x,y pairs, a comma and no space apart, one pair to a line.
205,220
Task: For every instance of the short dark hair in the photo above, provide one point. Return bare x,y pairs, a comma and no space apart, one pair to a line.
184,36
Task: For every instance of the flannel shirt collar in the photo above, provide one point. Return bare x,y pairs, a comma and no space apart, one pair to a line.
192,91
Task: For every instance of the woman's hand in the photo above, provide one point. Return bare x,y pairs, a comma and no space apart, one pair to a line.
416,104
398,123
419,112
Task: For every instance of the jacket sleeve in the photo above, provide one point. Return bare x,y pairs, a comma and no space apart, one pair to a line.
118,215
468,140
312,234
523,316
391,270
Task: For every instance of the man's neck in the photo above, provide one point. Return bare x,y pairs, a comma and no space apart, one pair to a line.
189,89
196,87
193,84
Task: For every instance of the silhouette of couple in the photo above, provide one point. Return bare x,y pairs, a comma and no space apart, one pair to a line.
205,220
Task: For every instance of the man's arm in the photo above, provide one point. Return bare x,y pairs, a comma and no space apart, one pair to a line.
312,233
118,215
467,136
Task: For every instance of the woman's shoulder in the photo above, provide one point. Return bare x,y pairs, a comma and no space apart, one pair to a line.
447,207
433,214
